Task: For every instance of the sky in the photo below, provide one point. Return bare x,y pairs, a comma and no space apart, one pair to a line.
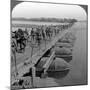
38,10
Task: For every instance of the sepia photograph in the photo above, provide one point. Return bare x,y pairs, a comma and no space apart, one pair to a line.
48,44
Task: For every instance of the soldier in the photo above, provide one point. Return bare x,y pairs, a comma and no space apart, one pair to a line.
43,34
20,39
38,37
26,35
32,34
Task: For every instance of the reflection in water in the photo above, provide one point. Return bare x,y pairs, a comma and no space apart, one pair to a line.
58,74
68,58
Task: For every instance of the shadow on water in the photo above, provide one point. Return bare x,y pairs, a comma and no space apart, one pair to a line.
68,59
52,74
58,74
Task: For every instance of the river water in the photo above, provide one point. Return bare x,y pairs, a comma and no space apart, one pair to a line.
78,66
36,22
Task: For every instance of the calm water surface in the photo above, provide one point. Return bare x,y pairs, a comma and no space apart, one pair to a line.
78,66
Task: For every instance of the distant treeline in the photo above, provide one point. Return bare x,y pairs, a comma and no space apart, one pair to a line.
59,20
